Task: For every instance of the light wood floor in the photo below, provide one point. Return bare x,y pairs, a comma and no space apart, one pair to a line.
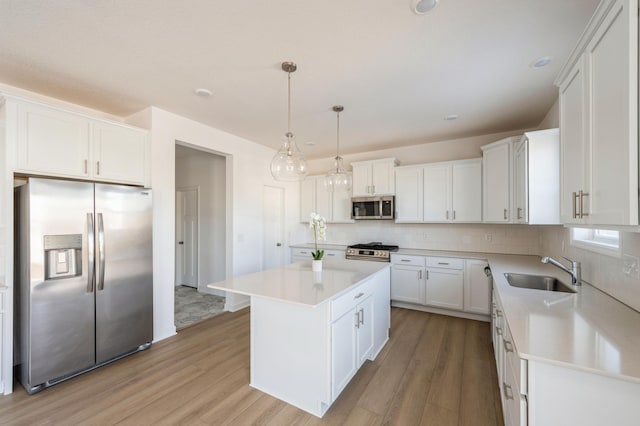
435,370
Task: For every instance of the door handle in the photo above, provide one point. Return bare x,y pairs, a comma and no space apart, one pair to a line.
181,242
505,214
278,244
91,245
101,252
581,196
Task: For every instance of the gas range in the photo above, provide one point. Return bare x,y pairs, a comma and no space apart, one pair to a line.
375,251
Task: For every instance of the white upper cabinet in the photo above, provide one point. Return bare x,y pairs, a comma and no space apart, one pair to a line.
496,181
440,192
334,207
54,142
409,194
376,177
466,191
537,178
599,120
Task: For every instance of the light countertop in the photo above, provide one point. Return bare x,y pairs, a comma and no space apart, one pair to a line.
588,330
320,246
296,283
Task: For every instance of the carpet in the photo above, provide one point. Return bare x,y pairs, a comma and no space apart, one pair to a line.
192,306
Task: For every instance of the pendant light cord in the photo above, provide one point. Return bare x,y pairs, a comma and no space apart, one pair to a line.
338,135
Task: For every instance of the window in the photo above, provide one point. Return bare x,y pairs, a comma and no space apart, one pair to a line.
602,241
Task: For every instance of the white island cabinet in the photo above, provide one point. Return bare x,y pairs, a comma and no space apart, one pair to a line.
311,332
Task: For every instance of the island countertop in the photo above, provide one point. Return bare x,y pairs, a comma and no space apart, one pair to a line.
297,283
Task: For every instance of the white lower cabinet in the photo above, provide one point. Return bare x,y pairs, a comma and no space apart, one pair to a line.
299,254
445,288
451,286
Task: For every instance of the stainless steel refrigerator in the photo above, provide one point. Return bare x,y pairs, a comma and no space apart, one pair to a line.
84,273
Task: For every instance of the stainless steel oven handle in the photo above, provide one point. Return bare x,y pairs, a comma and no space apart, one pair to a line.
91,243
101,253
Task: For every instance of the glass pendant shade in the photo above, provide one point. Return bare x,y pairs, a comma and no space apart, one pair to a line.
338,178
289,164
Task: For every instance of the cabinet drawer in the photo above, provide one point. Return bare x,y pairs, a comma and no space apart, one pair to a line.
513,362
307,253
300,252
445,262
334,254
401,259
344,303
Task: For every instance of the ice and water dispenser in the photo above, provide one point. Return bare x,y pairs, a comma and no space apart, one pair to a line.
62,256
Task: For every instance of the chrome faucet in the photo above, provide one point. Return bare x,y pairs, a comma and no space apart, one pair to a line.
575,271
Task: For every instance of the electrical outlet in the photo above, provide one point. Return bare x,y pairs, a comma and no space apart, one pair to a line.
630,266
425,236
488,237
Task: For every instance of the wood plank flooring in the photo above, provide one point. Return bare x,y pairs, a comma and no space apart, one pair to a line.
435,370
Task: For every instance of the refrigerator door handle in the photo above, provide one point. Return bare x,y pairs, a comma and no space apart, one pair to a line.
100,252
91,243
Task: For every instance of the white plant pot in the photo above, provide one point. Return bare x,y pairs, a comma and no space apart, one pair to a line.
316,265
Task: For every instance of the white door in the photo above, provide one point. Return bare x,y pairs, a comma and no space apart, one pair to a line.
409,194
343,351
187,237
496,177
273,227
407,284
437,191
365,330
466,189
445,288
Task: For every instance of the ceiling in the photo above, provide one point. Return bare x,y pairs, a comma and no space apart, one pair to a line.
397,74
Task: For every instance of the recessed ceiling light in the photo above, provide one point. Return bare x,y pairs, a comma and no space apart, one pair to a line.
420,7
541,62
451,117
204,93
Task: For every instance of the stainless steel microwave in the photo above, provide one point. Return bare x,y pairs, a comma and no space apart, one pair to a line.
373,207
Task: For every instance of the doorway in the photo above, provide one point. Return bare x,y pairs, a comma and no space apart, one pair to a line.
273,227
201,234
187,236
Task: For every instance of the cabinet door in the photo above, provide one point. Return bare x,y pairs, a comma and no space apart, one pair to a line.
496,183
365,330
437,193
466,192
407,284
341,206
119,153
52,142
409,194
477,288
612,60
361,179
343,351
520,181
573,146
383,178
445,288
324,200
307,198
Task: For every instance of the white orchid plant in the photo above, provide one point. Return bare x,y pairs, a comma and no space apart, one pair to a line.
319,225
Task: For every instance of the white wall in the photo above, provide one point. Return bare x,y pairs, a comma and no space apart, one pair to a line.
247,171
207,172
552,119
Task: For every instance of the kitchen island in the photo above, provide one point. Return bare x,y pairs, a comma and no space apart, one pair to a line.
311,331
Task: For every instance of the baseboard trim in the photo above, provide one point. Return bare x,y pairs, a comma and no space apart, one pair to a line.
449,312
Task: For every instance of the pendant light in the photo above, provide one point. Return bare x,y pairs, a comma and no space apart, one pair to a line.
289,164
338,179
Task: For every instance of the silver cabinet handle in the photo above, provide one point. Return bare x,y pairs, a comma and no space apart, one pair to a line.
278,244
581,196
443,263
358,296
361,317
405,260
91,244
519,212
508,392
499,331
101,252
427,276
373,189
420,274
574,210
357,318
447,215
98,168
331,254
454,215
508,346
85,166
505,214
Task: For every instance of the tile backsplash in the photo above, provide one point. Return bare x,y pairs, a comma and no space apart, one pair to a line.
602,271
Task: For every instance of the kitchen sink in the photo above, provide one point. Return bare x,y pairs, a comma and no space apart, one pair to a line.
537,282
